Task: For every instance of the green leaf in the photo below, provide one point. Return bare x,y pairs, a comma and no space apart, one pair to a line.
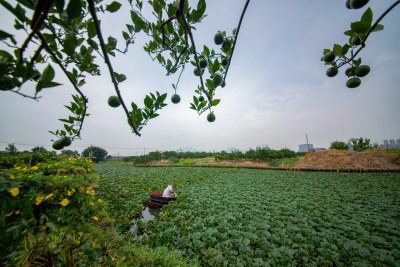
69,46
216,102
59,5
367,17
125,35
74,9
157,6
349,33
4,35
47,75
148,102
91,29
199,12
337,50
359,27
113,7
140,24
377,28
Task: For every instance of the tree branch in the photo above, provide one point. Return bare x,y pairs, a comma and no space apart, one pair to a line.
362,45
92,11
55,58
235,39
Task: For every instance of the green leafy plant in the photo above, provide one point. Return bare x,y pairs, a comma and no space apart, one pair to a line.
346,55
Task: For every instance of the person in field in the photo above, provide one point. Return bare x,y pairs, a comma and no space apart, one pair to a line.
169,191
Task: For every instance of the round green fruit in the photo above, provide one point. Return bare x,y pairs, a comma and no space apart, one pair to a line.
224,62
217,80
362,70
57,145
211,117
203,63
348,4
329,57
353,82
196,72
113,101
65,141
226,45
355,40
355,4
6,83
175,98
218,38
349,71
201,98
332,71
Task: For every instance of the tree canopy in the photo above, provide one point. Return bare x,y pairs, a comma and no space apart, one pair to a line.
68,34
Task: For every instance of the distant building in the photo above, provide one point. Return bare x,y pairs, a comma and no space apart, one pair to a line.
306,147
390,144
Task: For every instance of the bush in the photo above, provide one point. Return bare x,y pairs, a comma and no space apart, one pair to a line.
44,212
339,145
96,153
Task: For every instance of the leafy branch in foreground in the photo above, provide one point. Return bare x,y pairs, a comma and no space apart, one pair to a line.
358,34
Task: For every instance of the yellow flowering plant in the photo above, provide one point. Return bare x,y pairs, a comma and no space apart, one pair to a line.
39,199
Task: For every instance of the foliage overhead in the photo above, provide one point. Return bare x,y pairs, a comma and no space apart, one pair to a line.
67,36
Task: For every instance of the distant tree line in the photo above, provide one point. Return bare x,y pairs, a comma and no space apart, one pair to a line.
167,155
257,154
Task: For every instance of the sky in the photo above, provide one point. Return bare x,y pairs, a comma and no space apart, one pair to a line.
276,91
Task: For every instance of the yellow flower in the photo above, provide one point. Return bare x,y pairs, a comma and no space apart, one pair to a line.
91,203
12,177
69,193
100,201
64,202
34,168
39,200
14,191
95,218
48,196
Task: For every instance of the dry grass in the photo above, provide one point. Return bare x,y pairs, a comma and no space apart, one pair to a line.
340,159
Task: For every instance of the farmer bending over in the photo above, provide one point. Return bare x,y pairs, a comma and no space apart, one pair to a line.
169,191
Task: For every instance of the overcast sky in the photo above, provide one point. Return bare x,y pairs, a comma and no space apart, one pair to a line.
276,92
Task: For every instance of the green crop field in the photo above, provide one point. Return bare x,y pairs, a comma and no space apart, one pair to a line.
239,217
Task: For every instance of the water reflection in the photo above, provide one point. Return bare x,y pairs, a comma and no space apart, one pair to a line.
147,215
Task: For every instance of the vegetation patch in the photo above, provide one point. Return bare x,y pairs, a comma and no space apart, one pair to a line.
243,217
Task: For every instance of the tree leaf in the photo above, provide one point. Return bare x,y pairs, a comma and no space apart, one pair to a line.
113,7
91,27
140,24
74,9
59,5
367,17
47,75
359,27
377,28
216,102
337,50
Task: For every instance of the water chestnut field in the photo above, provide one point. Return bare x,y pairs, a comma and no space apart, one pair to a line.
244,217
